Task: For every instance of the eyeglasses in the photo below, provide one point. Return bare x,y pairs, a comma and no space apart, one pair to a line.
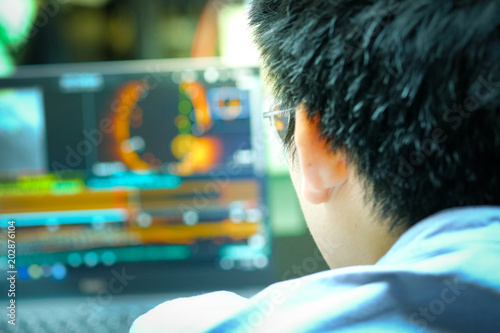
279,120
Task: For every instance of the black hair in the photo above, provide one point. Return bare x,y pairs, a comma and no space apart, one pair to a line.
409,89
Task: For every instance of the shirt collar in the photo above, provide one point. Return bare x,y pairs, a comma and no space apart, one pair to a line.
449,227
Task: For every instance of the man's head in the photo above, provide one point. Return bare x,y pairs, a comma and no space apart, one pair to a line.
397,108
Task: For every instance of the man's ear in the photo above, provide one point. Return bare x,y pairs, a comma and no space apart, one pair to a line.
322,170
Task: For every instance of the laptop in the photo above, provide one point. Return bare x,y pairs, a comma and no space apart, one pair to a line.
124,184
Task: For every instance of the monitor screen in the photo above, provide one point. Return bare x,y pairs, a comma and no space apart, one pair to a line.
152,166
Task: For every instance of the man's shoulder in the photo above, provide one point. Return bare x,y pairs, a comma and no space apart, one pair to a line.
459,231
441,274
190,314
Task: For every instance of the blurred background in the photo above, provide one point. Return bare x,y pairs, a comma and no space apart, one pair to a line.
68,31
40,32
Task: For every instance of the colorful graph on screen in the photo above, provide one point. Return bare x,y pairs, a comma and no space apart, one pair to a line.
132,168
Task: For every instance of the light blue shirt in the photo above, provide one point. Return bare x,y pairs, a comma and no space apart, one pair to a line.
442,275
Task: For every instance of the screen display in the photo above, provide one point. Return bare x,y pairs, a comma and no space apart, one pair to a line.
107,166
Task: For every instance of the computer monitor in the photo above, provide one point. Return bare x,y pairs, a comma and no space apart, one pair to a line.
151,169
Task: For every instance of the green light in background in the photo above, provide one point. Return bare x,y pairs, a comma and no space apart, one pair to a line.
68,187
185,107
35,271
184,126
108,258
75,259
240,251
16,20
